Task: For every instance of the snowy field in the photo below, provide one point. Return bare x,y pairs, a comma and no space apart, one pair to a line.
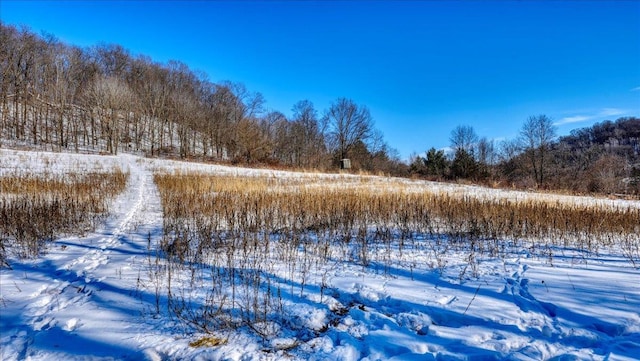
93,297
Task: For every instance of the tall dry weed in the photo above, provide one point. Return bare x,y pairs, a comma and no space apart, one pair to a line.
230,230
34,210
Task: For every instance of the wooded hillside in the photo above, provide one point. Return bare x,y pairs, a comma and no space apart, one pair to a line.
602,159
105,99
56,96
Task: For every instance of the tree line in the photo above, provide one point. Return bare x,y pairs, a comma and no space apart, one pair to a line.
105,99
604,158
57,96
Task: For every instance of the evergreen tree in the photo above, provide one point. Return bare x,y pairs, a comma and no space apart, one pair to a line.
436,163
464,165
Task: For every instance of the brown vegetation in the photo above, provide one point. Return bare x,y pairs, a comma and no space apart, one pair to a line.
35,210
230,231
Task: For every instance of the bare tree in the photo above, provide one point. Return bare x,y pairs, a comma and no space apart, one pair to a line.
113,59
221,105
275,130
8,41
486,156
306,135
59,82
348,125
463,137
154,97
536,137
183,105
110,97
253,144
22,75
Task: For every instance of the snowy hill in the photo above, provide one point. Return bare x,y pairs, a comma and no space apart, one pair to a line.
95,297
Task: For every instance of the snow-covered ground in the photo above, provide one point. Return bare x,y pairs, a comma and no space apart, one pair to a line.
92,298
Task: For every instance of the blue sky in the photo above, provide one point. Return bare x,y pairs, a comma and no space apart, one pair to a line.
421,67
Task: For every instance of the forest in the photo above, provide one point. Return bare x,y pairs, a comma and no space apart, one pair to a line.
602,159
104,99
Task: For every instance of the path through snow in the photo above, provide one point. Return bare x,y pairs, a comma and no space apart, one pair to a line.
79,293
94,298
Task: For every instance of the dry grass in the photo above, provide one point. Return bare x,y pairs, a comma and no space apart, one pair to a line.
231,230
208,341
34,210
240,204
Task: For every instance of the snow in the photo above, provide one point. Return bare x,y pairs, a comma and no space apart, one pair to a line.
93,297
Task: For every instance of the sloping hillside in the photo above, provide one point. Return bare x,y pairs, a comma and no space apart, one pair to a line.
103,295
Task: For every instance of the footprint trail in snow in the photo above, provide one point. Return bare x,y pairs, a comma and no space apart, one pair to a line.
84,285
